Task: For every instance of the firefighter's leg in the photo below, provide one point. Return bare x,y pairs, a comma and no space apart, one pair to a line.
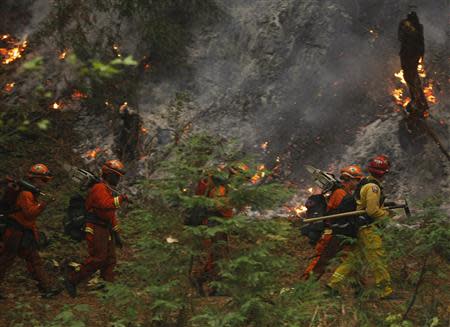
375,258
36,267
329,252
107,271
313,266
11,243
97,240
346,268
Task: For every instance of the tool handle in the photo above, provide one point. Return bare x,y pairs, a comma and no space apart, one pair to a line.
349,214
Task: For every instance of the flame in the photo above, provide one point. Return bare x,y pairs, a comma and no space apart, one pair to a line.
421,68
13,51
264,145
428,91
57,106
78,95
92,154
399,99
401,77
9,86
144,130
300,209
311,190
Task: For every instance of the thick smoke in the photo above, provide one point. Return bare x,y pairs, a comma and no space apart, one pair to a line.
305,76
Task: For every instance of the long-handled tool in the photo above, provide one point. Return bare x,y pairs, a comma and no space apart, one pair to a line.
359,212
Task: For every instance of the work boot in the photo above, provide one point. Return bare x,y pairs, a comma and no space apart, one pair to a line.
71,287
386,293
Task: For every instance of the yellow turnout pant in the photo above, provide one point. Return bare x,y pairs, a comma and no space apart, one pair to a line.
368,249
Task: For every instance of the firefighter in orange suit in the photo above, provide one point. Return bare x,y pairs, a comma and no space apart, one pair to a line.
368,248
328,245
21,235
216,248
101,228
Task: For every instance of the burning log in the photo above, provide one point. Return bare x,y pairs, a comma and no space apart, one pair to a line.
410,35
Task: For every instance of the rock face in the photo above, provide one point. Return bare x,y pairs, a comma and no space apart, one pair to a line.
311,77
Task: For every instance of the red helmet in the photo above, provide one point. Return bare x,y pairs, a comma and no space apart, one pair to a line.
352,171
40,171
379,165
113,166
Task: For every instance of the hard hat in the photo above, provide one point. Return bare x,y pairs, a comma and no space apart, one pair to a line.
40,171
352,171
379,165
113,166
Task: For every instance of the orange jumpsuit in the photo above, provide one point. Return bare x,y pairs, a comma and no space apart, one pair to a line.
20,239
102,205
325,250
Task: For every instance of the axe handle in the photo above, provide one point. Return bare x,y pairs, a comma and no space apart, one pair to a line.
351,213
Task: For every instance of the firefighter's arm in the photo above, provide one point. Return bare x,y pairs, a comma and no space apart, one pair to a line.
102,198
30,207
373,209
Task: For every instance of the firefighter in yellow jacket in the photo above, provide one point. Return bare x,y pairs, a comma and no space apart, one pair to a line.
368,246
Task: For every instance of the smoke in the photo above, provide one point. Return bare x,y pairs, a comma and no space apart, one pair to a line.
305,76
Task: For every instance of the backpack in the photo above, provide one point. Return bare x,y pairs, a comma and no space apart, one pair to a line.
75,219
316,206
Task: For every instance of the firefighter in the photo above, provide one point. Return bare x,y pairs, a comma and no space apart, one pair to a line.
102,228
21,236
215,187
368,246
412,50
329,245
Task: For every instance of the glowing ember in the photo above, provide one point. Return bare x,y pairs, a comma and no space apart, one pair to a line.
92,154
123,107
78,95
144,130
116,50
147,66
57,106
9,86
259,174
13,50
264,146
62,55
